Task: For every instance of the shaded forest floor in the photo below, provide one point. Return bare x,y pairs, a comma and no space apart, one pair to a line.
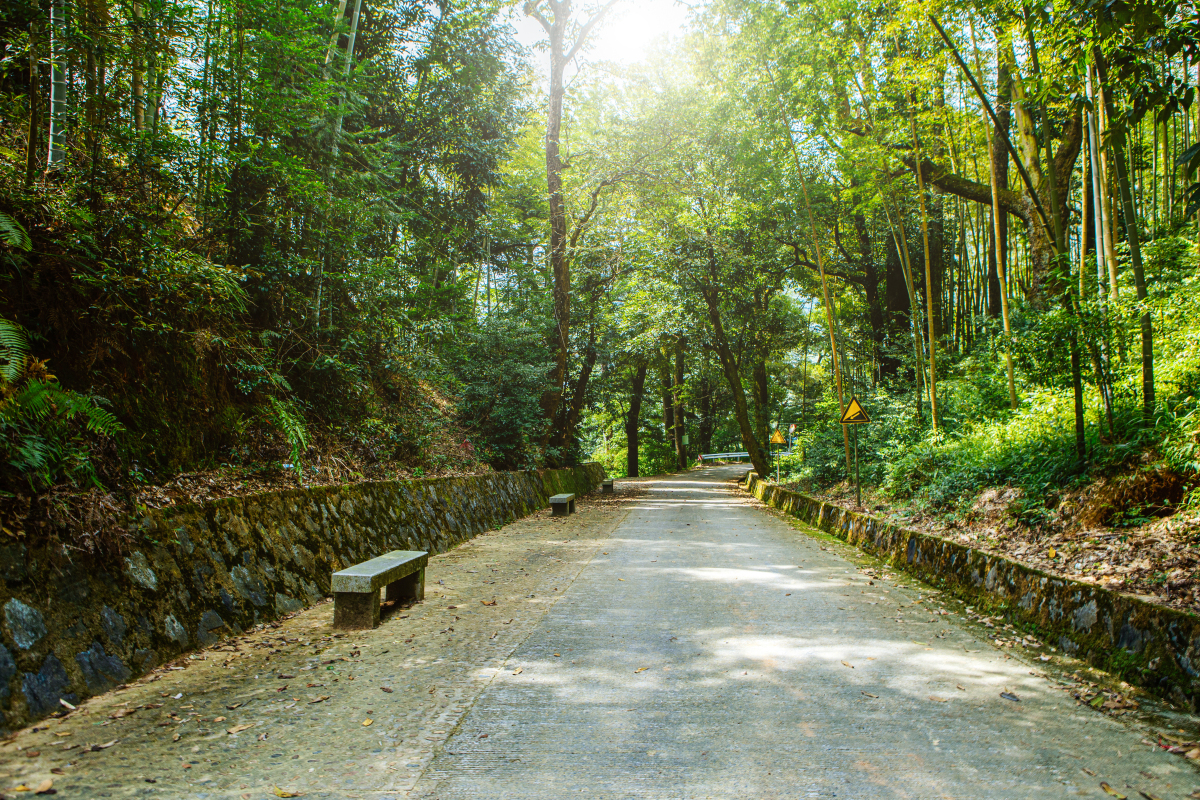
1155,559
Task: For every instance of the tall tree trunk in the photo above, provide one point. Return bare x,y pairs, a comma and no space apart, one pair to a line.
137,81
677,396
758,457
668,401
557,25
633,419
705,428
35,105
932,311
58,83
1133,237
998,253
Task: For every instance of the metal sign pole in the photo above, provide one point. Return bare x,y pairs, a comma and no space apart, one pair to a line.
857,478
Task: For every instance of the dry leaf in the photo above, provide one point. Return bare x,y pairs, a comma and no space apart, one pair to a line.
1149,796
219,719
1088,771
235,705
1111,791
960,688
320,699
640,669
123,712
937,699
1051,553
387,689
620,579
93,748
847,664
868,694
518,670
62,733
66,705
284,793
367,722
46,787
175,738
488,603
262,737
1010,696
240,728
1192,754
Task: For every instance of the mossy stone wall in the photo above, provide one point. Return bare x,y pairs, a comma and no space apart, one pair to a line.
72,628
1148,645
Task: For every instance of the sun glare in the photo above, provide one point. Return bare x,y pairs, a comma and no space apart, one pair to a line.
629,31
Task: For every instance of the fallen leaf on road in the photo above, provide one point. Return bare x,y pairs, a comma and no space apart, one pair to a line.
235,705
286,677
1149,796
45,787
620,579
1088,771
484,735
1010,696
175,738
32,753
262,737
847,664
57,771
387,689
937,699
320,699
1111,791
868,694
1051,553
65,704
518,670
62,733
640,669
219,719
960,688
488,603
94,748
124,712
240,728
367,722
284,793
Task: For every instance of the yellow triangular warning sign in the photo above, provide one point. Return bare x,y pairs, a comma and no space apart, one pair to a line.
854,414
777,438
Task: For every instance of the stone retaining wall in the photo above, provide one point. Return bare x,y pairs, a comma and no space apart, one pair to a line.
1149,645
73,629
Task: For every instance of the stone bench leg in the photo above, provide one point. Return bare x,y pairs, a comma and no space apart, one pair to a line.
355,610
409,589
562,509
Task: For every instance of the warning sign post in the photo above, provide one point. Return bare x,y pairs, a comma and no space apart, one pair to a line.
855,415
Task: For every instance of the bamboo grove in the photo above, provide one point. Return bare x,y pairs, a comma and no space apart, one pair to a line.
342,238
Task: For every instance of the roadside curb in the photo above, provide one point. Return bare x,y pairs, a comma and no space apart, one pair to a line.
1151,646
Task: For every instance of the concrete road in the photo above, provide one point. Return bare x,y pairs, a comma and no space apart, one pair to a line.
713,651
677,641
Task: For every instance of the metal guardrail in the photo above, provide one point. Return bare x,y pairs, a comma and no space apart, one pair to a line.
722,456
738,456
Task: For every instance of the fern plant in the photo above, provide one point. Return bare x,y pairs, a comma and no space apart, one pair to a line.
13,234
42,424
288,420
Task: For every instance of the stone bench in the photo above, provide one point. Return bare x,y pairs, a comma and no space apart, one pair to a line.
606,487
562,504
356,589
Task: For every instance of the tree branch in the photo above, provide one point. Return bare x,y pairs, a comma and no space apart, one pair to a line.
587,29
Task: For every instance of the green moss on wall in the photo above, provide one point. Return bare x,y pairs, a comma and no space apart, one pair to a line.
205,572
1152,646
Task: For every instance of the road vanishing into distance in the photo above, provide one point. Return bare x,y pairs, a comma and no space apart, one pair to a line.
676,640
